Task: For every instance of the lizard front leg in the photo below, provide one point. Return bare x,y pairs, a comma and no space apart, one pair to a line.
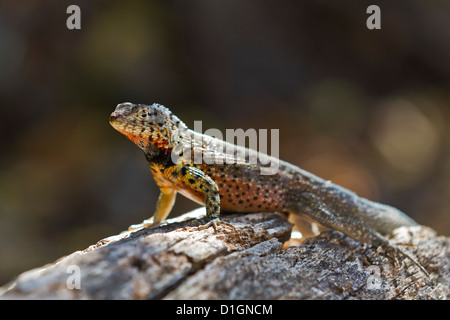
312,206
195,179
191,178
164,205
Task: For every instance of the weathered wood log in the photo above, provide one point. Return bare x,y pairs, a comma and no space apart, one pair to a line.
179,260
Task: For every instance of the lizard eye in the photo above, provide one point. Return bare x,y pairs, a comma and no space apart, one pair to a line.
143,114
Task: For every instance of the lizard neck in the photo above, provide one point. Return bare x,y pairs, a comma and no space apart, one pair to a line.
157,156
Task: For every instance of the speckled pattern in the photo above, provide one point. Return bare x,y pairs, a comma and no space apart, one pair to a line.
170,147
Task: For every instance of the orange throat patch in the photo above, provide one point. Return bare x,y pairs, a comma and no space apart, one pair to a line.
144,137
144,141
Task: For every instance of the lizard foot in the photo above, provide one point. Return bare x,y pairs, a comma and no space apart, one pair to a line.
144,224
215,223
396,253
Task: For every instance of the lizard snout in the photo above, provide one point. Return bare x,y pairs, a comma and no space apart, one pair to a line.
126,107
114,116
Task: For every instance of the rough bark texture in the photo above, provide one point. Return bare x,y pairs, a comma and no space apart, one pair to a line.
181,261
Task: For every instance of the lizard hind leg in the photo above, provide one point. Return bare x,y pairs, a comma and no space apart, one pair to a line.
314,208
394,251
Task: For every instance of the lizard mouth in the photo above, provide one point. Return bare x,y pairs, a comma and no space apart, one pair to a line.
116,117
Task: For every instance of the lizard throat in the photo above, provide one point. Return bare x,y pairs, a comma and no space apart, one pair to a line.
147,138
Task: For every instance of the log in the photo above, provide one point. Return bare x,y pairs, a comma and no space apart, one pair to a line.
180,260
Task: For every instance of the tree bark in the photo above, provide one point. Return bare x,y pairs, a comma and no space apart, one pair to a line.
179,260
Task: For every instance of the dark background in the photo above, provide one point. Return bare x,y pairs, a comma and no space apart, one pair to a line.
368,109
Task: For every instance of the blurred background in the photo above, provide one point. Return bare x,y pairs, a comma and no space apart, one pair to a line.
368,109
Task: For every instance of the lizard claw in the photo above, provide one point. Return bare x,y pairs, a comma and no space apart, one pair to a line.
215,223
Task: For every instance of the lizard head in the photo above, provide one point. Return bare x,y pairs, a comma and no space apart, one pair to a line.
146,125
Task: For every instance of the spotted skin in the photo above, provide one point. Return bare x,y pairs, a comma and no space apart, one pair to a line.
170,148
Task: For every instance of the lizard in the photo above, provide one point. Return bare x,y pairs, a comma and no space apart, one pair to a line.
233,183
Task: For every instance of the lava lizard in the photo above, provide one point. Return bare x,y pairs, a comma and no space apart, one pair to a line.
230,182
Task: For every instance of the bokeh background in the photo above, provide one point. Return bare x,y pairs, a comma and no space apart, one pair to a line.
368,109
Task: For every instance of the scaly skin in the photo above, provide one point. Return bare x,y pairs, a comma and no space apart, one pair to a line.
170,148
